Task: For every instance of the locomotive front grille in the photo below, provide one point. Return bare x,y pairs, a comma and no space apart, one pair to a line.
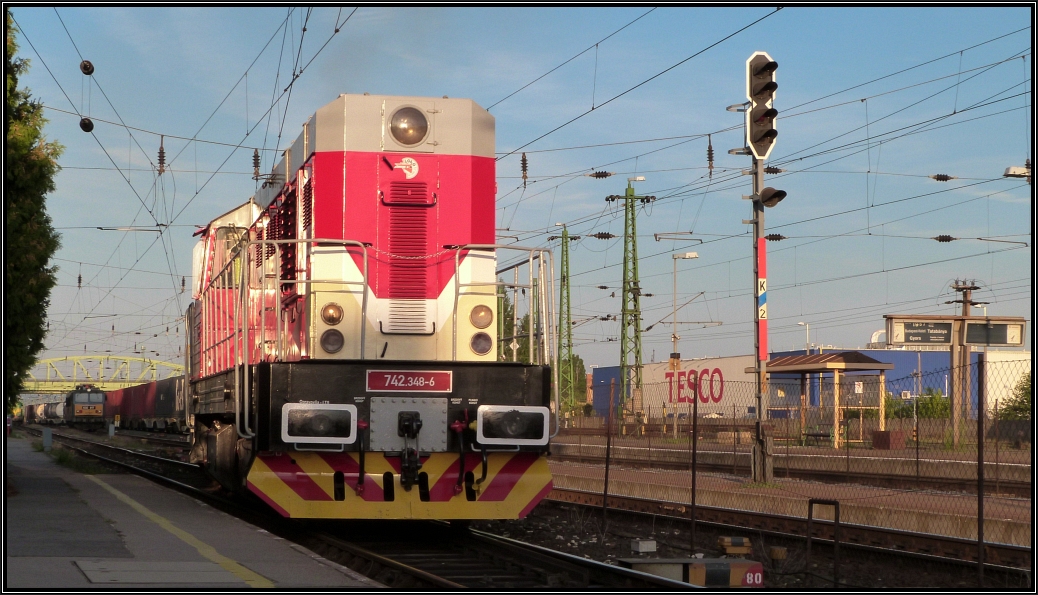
409,222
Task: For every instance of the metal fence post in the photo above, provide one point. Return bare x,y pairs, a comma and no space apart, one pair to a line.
695,449
609,444
836,534
981,388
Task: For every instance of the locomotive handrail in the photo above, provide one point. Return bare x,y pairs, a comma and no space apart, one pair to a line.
242,378
546,277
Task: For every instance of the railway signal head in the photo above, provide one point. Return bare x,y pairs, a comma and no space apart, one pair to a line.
770,197
761,116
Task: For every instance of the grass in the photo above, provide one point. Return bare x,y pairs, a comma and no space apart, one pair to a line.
67,458
764,485
37,445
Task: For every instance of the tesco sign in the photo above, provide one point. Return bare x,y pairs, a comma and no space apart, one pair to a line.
707,383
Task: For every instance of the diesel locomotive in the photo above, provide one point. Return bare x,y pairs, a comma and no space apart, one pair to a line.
345,353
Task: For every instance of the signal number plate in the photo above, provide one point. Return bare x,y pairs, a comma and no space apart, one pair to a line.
409,381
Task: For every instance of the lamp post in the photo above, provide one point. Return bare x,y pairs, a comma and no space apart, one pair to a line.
675,356
807,338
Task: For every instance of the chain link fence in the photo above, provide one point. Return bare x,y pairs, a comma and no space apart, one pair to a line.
900,453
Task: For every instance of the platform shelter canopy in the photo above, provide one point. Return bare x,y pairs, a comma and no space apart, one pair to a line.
820,363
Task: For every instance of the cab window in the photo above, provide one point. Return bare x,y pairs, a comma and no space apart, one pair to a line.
97,397
227,250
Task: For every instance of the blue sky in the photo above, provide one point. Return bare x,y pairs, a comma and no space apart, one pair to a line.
858,216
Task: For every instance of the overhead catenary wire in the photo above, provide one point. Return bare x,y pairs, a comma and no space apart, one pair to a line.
574,57
651,78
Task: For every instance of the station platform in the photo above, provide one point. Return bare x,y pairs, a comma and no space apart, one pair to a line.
66,530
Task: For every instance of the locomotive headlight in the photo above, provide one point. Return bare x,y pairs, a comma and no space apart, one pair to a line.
481,316
408,126
332,341
318,423
513,425
481,343
331,314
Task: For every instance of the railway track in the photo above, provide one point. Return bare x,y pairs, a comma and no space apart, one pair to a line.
407,554
434,555
182,440
640,458
998,557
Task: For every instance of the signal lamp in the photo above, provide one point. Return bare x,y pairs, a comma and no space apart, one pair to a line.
331,314
332,341
481,343
770,197
481,316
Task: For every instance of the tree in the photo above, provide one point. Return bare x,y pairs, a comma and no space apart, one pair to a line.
30,239
1019,406
933,405
523,352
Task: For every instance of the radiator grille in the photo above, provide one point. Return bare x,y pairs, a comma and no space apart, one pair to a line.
409,193
408,266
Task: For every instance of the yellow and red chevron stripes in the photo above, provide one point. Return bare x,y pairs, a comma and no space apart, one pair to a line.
301,485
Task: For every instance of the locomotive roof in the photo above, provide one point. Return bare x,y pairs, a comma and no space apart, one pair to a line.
359,123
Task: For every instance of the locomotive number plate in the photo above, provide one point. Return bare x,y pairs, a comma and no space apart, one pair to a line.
409,381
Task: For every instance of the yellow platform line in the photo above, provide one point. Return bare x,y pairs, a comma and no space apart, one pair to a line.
253,579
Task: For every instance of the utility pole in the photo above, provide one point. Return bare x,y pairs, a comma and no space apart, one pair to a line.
630,309
566,375
761,132
960,356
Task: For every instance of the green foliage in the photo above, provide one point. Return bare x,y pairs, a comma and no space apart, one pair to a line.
933,405
506,311
29,240
1020,405
896,408
579,384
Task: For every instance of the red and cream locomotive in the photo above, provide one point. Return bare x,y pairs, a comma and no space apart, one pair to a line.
343,355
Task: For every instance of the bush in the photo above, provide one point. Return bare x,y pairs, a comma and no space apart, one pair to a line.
1019,405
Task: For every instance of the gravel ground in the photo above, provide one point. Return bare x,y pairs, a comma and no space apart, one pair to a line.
578,530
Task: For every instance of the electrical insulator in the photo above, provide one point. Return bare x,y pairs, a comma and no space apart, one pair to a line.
774,237
79,281
710,156
945,238
255,164
183,284
600,174
162,155
522,165
773,170
942,177
603,235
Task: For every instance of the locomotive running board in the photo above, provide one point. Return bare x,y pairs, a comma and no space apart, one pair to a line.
324,485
